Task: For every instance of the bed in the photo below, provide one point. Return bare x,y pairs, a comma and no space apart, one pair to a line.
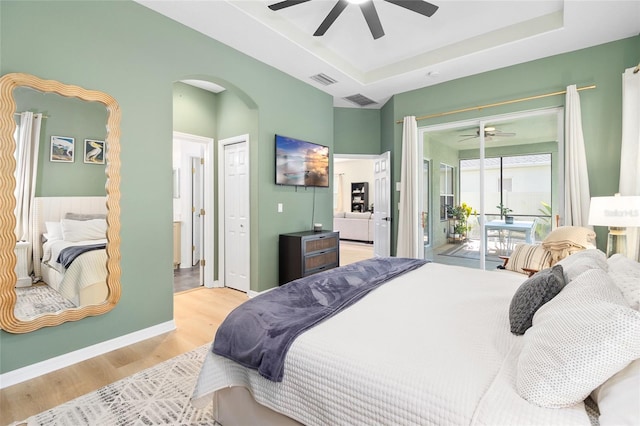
77,224
436,345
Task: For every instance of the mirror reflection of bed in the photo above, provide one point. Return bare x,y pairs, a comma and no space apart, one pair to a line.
72,272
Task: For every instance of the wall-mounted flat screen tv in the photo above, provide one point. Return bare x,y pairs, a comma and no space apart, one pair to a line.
301,163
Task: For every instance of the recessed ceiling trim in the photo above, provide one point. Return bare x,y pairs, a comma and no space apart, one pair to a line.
510,34
520,31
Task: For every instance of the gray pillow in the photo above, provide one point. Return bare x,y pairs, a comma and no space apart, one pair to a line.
531,295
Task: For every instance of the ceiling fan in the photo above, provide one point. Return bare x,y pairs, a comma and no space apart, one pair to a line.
368,11
489,133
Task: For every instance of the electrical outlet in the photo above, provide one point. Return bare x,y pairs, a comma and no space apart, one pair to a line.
280,208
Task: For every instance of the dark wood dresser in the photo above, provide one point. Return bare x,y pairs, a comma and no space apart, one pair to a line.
305,253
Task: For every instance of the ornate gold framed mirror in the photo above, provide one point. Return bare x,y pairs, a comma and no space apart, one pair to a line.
10,247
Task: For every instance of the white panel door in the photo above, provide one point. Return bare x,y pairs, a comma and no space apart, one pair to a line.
382,206
236,210
197,206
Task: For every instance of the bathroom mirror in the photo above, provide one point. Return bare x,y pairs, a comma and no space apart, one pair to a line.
100,215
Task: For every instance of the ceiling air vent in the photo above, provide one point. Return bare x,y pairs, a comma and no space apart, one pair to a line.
360,100
323,79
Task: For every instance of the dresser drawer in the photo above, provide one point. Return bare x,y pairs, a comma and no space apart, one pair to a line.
312,245
305,253
319,262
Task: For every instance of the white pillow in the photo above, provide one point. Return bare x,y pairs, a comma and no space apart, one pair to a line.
625,273
579,339
576,263
54,230
618,398
83,230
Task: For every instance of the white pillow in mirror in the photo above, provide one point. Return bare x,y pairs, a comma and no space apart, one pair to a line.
54,230
619,397
84,230
625,273
579,339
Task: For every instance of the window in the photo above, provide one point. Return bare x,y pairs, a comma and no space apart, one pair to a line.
446,189
523,183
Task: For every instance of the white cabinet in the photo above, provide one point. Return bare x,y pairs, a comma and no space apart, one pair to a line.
176,245
23,263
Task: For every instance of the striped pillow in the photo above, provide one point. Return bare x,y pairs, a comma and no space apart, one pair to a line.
531,256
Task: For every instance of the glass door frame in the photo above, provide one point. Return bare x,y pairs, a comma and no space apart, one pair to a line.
481,123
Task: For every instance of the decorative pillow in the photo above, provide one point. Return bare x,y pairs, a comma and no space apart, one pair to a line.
358,215
625,273
581,261
85,216
576,235
83,230
531,295
579,339
618,398
54,230
531,256
566,240
338,214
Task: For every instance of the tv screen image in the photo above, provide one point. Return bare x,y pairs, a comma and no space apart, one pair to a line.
301,163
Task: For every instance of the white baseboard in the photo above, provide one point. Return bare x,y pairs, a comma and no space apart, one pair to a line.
52,364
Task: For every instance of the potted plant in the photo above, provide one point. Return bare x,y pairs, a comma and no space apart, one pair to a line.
461,214
504,211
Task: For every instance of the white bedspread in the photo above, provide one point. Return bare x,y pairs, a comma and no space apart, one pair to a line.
87,269
431,347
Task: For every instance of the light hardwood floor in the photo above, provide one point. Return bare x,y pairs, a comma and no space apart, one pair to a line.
197,314
353,251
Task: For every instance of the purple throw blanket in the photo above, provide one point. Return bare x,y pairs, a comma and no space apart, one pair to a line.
68,255
258,333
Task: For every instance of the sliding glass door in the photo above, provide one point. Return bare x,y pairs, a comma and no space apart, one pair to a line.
500,182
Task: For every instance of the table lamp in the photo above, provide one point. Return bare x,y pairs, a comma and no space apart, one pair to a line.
618,213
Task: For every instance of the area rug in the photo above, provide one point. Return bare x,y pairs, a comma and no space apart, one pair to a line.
38,300
470,250
156,396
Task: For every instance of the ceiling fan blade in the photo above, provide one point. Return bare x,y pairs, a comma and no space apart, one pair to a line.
466,139
418,6
285,3
504,134
331,17
372,18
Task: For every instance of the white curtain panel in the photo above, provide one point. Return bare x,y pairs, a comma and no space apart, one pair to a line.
409,245
576,196
27,146
630,150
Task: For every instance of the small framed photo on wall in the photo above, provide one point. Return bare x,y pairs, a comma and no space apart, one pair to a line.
62,149
93,151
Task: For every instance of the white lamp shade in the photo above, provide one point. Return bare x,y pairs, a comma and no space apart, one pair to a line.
615,211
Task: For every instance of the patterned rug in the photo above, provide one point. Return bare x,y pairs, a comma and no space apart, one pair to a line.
38,300
156,396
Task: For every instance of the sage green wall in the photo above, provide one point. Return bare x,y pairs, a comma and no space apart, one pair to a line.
135,55
601,108
357,131
73,118
194,110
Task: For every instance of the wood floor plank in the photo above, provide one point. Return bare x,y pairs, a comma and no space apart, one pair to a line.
197,314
